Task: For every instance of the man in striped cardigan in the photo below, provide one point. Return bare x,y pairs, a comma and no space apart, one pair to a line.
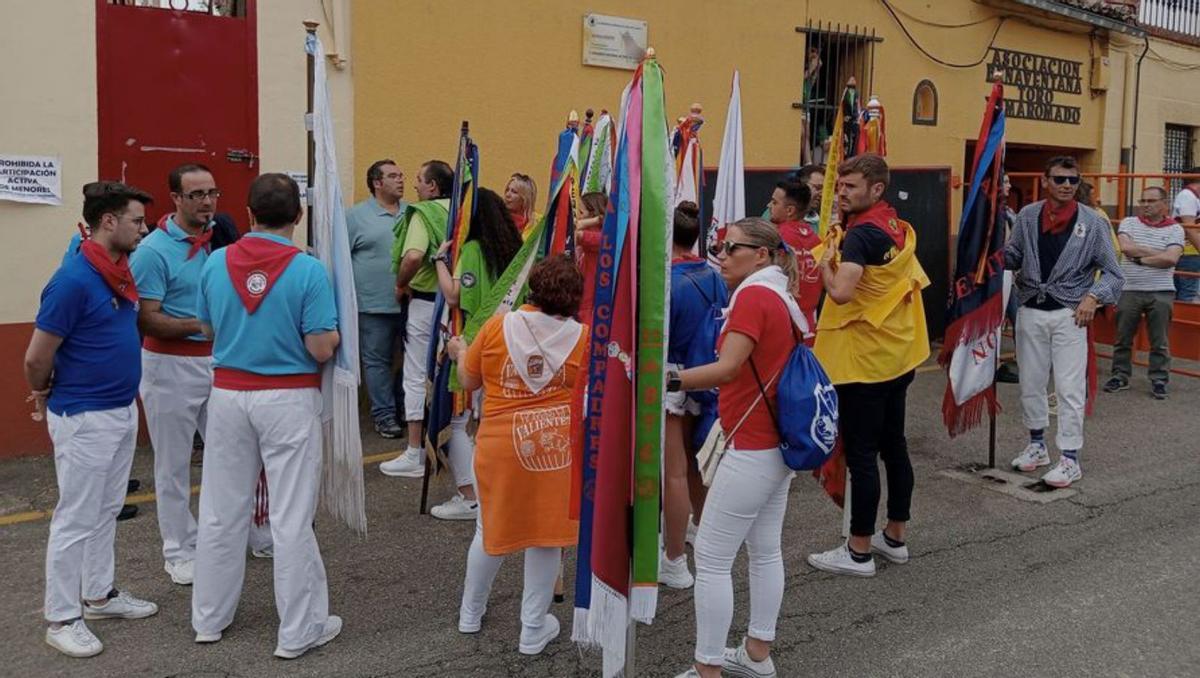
1066,267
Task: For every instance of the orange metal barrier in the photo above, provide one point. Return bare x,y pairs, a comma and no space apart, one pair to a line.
1184,335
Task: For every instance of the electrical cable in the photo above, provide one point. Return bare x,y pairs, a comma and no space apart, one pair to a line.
991,43
934,24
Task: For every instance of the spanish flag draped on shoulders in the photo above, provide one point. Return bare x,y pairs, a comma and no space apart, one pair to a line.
880,333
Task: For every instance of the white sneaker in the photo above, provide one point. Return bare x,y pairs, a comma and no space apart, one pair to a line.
121,606
467,624
457,507
838,561
410,464
692,529
333,626
208,637
1063,474
533,642
74,640
1033,456
266,552
690,673
182,572
674,573
894,554
739,663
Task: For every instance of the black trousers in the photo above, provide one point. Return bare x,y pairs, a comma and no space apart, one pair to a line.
872,427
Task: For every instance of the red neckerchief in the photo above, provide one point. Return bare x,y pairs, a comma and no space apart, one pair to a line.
882,216
1055,221
115,273
1167,221
806,237
521,220
254,264
685,259
197,241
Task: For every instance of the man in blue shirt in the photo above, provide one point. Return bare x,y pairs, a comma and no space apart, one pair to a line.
371,225
82,367
177,357
270,311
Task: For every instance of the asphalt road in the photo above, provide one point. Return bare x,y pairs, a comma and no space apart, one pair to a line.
1104,583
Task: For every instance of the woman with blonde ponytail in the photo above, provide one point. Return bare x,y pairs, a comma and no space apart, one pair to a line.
748,496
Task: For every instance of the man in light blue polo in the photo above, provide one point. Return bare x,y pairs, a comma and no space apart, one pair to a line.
270,311
371,224
176,356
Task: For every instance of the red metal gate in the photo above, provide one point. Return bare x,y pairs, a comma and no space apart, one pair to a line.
177,87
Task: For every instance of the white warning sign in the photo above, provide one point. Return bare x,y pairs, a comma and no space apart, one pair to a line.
31,178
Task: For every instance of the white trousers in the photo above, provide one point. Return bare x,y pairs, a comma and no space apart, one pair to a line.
92,455
541,571
174,392
1045,340
416,352
462,451
746,503
279,430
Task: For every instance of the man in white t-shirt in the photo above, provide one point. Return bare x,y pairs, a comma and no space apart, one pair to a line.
1152,243
1185,211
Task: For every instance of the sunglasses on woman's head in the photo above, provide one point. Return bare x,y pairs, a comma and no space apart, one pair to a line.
1060,180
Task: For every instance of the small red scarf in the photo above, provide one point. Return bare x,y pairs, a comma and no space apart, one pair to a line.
521,220
1055,221
116,274
1166,221
884,217
197,241
254,265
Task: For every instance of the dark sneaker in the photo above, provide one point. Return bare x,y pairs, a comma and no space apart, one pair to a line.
127,511
1159,389
1007,374
388,428
1116,384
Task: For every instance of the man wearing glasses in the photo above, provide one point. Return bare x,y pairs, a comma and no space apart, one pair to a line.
370,224
1152,243
1056,250
176,356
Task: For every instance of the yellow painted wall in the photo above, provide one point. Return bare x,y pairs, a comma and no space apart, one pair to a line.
49,108
514,70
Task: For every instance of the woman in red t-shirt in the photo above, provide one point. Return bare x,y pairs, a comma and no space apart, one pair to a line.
748,496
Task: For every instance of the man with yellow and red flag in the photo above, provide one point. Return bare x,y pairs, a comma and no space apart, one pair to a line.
871,336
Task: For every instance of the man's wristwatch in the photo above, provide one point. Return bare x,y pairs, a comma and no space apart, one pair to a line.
674,382
443,257
1136,260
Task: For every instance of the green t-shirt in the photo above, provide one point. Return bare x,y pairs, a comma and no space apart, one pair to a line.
475,281
417,236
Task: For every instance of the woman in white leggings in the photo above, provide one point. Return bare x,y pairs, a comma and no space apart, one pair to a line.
748,497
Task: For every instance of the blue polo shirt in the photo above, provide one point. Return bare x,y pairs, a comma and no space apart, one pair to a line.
271,341
72,249
98,365
164,273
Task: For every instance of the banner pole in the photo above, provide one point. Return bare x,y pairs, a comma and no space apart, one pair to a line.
310,27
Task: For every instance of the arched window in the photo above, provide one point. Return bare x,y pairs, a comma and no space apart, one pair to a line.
925,104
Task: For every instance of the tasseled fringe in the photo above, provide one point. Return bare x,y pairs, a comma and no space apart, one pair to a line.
1092,377
342,493
262,505
962,418
579,629
608,619
643,602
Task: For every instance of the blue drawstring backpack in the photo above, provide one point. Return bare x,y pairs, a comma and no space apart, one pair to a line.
808,406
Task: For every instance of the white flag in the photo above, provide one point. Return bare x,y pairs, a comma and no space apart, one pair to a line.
342,491
729,201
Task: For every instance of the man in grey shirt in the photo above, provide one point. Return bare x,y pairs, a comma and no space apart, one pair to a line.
1057,248
370,225
1152,243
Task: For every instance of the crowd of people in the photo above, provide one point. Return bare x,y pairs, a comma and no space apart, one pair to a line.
227,339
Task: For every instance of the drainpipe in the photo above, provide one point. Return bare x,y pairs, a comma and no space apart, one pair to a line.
1137,95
